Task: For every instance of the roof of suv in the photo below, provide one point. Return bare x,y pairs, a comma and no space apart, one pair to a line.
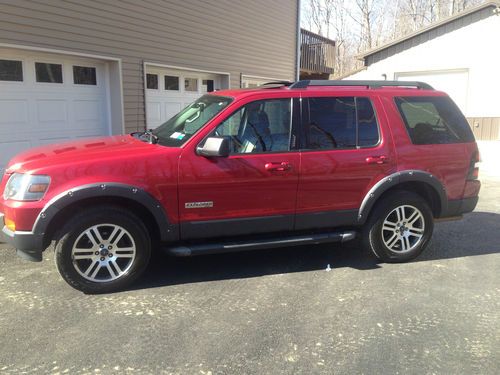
328,85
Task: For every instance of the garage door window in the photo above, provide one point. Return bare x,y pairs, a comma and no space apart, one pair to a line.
48,73
84,75
11,70
191,84
172,83
152,81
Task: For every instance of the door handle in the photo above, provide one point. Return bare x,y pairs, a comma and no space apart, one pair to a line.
278,167
377,159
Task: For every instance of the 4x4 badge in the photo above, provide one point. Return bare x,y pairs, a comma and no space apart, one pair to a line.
199,204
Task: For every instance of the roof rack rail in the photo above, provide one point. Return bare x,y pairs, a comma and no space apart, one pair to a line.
277,83
370,84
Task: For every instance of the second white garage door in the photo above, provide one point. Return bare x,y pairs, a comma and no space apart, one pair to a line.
49,98
170,90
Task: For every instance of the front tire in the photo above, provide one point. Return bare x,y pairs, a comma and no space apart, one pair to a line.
102,250
399,228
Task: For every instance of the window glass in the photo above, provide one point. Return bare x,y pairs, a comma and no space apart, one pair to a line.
11,70
187,122
331,123
152,81
51,73
433,120
261,126
207,85
368,134
84,75
191,84
171,83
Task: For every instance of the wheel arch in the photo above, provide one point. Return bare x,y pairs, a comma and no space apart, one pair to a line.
422,183
57,211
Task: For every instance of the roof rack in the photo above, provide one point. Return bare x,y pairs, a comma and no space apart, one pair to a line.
369,84
277,83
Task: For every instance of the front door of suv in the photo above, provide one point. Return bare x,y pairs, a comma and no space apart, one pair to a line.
344,152
254,189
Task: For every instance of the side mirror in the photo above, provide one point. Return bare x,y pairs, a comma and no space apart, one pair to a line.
215,146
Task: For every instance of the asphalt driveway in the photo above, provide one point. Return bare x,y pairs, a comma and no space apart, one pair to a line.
270,312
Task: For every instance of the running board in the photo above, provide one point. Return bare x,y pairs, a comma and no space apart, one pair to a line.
229,247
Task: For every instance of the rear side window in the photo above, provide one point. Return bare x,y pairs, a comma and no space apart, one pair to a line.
367,123
340,123
433,120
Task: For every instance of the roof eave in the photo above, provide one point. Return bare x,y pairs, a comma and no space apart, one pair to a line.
493,4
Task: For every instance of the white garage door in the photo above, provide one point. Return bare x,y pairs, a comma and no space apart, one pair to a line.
453,82
49,98
170,90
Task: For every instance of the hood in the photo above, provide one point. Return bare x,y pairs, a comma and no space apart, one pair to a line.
85,150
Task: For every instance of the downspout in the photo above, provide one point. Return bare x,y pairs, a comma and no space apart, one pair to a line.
297,57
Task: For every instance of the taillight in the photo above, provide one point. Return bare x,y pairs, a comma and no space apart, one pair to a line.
474,167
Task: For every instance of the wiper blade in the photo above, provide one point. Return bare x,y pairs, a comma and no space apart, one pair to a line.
153,138
146,136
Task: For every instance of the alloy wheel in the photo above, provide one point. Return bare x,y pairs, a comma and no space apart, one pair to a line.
403,229
103,252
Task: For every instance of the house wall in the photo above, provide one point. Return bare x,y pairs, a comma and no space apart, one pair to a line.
473,49
255,37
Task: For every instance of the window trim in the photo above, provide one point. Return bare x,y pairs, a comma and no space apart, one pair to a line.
295,118
306,115
165,83
198,86
43,61
82,84
157,81
23,68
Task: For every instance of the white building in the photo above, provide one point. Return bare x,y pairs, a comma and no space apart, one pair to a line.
459,55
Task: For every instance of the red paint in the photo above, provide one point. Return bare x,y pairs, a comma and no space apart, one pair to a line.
250,184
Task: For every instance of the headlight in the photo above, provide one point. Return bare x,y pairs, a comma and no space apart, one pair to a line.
26,187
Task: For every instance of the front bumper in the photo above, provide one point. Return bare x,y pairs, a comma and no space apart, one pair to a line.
29,245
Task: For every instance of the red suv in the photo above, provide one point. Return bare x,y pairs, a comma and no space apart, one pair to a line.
284,164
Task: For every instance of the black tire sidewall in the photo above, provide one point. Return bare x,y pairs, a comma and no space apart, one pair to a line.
373,228
82,222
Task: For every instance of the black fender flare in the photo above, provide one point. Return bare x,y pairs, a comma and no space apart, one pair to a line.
395,179
168,232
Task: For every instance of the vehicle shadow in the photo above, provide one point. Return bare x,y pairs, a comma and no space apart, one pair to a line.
477,234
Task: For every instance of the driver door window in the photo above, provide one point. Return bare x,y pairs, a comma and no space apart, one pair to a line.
261,126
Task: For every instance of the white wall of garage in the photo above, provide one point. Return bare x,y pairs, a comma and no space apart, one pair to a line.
257,37
36,113
463,62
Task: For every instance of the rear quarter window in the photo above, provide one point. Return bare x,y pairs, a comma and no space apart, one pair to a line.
433,120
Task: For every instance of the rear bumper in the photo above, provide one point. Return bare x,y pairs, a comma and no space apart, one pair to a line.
460,206
28,244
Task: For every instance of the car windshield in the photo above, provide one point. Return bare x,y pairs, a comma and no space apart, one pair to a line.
176,131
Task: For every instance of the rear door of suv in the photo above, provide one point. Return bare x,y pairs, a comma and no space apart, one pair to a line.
345,149
434,136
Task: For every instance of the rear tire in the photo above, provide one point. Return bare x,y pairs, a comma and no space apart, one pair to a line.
399,228
102,250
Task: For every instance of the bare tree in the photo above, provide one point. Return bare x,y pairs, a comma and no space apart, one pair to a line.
359,25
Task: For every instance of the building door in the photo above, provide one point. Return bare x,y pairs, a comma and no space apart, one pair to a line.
170,90
49,98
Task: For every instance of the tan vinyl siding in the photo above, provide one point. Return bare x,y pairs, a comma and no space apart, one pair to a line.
485,128
255,37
